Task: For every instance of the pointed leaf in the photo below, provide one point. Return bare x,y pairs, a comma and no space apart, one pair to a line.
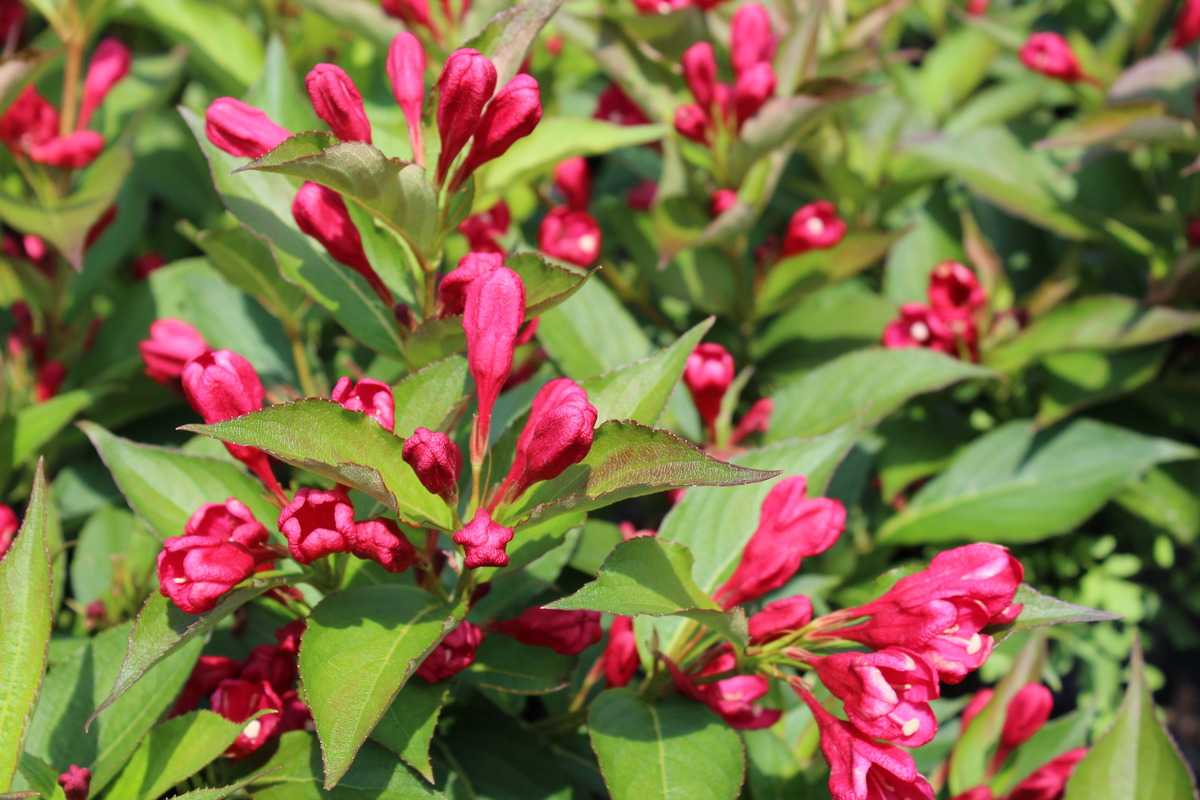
1040,610
408,726
173,752
507,37
431,396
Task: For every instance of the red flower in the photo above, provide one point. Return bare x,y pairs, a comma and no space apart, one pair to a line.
1187,24
146,264
436,460
464,88
238,700
1027,712
941,611
76,782
454,654
381,541
861,769
791,528
273,665
708,375
631,531
72,151
700,73
370,397
919,326
779,618
750,38
9,525
406,71
316,523
110,63
206,676
734,699
484,541
50,377
885,694
573,181
620,654
753,89
979,792
295,715
1049,54
1049,781
558,433
196,571
977,8
171,345
815,226
511,115
567,633
721,201
493,313
692,123
30,120
485,228
571,236
452,290
321,213
613,105
642,195
413,12
242,130
954,289
337,101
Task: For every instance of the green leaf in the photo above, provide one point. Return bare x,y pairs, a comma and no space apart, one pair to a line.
408,726
26,433
1041,610
1052,740
505,665
40,777
263,203
591,333
1017,484
507,37
556,139
646,576
626,460
365,18
164,487
973,751
674,749
112,544
1088,378
430,397
345,446
953,68
25,590
1100,322
379,634
862,388
548,282
1136,759
396,193
294,773
805,273
219,40
161,629
173,752
639,391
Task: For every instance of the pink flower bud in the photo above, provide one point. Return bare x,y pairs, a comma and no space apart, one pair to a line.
322,214
613,105
336,100
721,201
413,12
230,521
382,541
885,694
437,461
29,120
1049,54
750,38
1187,24
919,326
815,226
295,715
272,665
791,527
484,541
12,16
691,122
466,84
642,196
567,633
110,63
238,700
492,316
9,525
559,433
1048,782
708,375
242,130
370,397
452,290
780,617
76,782
571,236
954,290
631,531
483,229
73,151
620,654
50,377
734,699
171,345
978,702
659,6
146,264
753,89
977,8
454,654
406,70
861,768
196,571
756,420
700,73
317,523
206,676
574,182
1027,712
511,115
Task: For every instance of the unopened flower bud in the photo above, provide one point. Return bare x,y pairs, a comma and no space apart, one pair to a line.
484,229
620,654
406,70
708,374
559,433
382,541
73,151
453,654
567,633
642,196
242,130
9,525
1051,55
452,290
779,618
171,345
466,84
815,226
317,523
76,782
321,213
571,236
483,541
337,101
195,571
756,420
412,12
750,38
370,397
753,89
700,73
721,201
511,115
493,314
436,460
1027,712
110,63
50,377
613,105
691,122
574,182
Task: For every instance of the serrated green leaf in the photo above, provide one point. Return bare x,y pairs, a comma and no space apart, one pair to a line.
431,396
408,726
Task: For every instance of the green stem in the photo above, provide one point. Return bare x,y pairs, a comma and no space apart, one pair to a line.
308,385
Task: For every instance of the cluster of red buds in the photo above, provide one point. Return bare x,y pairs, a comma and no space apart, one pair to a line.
1027,712
949,323
76,782
719,109
263,687
708,374
483,231
34,129
568,232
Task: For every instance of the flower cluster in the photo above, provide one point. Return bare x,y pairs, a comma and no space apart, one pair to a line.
260,691
950,322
